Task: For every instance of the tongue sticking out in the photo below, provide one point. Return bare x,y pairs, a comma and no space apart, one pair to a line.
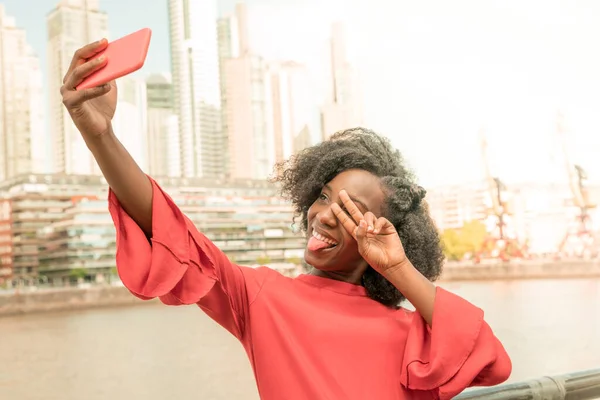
315,244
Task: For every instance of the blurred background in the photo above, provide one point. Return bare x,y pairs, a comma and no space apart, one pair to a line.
494,104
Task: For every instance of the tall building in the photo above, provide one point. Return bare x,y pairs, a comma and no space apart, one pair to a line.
22,147
195,67
246,107
162,131
227,34
71,25
343,108
291,108
130,120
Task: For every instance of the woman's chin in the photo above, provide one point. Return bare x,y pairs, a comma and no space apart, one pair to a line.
317,262
314,258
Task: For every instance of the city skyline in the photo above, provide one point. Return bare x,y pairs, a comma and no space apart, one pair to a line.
21,116
228,109
343,105
471,74
70,25
196,85
245,110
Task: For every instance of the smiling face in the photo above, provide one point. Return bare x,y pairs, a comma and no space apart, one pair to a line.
332,249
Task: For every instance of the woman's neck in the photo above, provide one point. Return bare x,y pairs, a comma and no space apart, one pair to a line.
354,277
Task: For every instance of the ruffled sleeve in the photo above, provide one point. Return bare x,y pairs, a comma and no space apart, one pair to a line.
180,265
458,351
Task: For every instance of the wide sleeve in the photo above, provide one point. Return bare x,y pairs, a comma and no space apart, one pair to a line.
180,265
458,351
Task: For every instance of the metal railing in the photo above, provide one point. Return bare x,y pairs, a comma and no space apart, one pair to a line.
583,385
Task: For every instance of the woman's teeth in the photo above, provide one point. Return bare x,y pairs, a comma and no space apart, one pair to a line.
323,238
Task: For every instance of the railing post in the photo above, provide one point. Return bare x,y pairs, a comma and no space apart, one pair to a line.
584,385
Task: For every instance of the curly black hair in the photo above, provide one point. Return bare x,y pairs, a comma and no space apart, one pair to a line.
303,176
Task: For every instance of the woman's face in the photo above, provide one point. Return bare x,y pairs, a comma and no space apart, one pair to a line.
330,247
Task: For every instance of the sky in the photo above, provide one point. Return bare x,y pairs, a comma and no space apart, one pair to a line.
433,72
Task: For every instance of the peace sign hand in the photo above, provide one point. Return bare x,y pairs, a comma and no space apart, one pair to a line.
378,240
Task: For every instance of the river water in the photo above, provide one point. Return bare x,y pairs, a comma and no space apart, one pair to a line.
156,352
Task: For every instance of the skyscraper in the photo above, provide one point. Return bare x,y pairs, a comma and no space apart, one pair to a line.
246,110
291,108
22,147
163,135
228,48
343,109
194,57
71,25
130,121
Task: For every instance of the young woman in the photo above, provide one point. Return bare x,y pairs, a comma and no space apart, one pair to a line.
337,332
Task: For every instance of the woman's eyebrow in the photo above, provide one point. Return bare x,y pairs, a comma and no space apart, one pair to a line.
353,198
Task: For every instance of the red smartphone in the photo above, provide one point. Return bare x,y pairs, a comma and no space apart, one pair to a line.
124,56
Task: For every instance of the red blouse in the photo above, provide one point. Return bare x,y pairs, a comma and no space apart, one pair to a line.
309,337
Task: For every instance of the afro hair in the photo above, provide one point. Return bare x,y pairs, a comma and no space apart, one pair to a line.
303,176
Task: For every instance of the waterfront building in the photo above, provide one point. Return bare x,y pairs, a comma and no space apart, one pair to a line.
57,227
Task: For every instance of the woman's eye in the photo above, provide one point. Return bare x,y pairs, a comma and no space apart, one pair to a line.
322,197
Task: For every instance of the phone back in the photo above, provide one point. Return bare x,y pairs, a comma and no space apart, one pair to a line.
124,56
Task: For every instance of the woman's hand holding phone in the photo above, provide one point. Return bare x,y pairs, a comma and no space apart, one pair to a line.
91,109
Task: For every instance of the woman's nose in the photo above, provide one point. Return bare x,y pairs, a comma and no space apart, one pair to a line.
327,217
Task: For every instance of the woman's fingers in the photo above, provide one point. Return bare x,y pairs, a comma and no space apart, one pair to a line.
351,207
361,231
353,220
344,219
84,54
370,219
83,71
379,225
74,98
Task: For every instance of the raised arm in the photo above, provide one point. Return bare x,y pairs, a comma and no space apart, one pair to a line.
160,253
92,111
449,346
181,266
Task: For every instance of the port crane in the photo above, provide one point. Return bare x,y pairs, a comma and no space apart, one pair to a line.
579,241
498,244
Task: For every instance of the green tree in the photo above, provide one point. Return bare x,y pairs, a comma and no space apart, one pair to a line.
452,246
78,273
263,260
459,242
294,260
